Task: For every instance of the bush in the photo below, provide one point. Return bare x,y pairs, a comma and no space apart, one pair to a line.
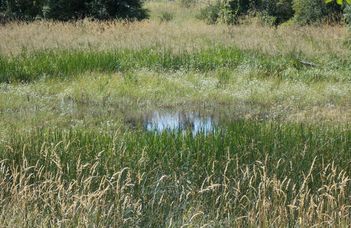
73,9
2,19
277,11
267,19
210,13
166,16
315,11
347,14
227,12
21,9
230,11
272,12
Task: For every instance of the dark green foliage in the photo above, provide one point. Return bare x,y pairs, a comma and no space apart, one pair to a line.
105,9
22,9
73,9
279,10
2,14
315,11
230,11
210,13
272,12
224,11
347,14
66,10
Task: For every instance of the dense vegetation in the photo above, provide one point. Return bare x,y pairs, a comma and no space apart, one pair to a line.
66,64
76,98
253,174
273,12
67,9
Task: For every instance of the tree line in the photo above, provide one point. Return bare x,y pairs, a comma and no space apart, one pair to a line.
65,10
275,12
271,12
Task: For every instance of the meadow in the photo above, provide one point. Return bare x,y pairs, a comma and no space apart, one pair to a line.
69,91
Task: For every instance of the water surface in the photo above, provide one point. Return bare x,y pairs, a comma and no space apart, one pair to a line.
180,121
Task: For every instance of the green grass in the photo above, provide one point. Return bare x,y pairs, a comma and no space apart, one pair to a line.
104,101
70,157
298,144
168,174
66,64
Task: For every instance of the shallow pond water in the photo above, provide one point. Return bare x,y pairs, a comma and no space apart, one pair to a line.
179,121
183,119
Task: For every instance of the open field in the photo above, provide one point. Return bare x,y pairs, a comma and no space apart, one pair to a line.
74,99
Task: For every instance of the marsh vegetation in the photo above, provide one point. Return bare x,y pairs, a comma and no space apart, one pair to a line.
174,122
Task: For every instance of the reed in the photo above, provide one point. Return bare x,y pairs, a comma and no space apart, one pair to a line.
254,173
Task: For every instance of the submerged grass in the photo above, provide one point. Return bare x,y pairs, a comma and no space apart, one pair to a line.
253,173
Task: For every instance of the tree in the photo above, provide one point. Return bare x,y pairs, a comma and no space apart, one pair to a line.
73,9
339,2
316,11
229,11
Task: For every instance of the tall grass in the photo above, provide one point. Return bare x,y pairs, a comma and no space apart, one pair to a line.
90,170
252,173
62,64
187,35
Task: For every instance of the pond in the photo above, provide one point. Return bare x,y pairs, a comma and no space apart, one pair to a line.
180,121
194,119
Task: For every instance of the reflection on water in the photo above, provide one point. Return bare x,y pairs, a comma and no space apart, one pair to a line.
195,119
179,121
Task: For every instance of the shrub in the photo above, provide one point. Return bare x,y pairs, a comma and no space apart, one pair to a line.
2,13
347,14
267,19
272,12
67,9
227,11
314,11
277,11
21,9
166,16
230,11
210,13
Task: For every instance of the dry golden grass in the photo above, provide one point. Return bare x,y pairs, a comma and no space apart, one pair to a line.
240,201
191,35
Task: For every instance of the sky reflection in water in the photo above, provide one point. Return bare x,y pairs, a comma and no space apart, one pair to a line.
179,121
